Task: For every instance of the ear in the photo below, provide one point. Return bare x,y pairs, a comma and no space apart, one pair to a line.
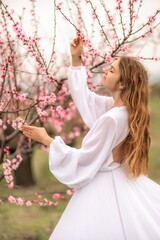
121,85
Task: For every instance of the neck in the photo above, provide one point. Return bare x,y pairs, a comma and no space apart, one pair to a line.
117,100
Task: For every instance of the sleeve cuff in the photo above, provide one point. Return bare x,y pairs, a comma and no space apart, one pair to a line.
58,151
77,67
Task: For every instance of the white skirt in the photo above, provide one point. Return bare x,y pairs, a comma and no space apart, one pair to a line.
112,207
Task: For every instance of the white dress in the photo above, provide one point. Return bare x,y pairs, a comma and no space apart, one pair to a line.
106,205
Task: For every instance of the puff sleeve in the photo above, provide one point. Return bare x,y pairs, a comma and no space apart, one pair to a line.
77,167
90,105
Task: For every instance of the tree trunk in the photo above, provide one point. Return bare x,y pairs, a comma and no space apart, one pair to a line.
23,175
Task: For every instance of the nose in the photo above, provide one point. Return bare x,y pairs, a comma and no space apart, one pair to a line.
105,70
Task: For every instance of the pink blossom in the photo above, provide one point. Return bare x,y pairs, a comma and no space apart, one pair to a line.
38,195
50,203
19,201
41,112
136,16
11,199
156,59
108,59
1,122
23,96
19,157
8,162
7,172
80,35
6,149
14,160
70,191
15,166
59,109
5,165
40,203
28,203
11,185
56,203
125,49
10,178
56,196
2,76
14,125
58,7
8,121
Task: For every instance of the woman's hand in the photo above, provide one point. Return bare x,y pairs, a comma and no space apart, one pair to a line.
38,134
76,48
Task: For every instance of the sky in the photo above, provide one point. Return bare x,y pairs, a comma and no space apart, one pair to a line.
65,34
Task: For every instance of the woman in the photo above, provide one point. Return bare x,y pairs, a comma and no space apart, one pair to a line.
114,198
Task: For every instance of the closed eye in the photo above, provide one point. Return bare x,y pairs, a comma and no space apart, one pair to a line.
112,69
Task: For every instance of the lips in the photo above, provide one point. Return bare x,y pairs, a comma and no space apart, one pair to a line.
104,77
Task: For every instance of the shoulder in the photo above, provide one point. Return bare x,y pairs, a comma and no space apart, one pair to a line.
116,120
106,119
118,115
118,112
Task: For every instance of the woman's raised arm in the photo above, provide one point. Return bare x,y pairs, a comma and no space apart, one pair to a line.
90,105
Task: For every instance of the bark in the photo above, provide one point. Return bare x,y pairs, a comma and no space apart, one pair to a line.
23,175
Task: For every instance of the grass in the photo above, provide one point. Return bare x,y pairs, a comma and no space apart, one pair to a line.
37,223
154,155
28,223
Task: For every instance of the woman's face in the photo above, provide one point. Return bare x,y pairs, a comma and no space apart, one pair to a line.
111,76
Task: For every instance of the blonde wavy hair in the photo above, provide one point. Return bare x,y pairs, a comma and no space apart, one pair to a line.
135,96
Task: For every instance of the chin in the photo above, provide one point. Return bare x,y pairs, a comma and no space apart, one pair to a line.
103,84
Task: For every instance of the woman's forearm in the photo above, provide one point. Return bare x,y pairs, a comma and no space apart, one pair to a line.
47,141
76,61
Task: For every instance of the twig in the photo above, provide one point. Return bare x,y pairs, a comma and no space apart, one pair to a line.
97,18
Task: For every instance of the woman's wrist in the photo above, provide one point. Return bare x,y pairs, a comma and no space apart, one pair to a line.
47,141
76,61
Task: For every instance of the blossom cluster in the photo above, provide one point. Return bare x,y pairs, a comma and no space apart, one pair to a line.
2,71
119,6
91,53
20,201
39,200
17,123
9,166
29,42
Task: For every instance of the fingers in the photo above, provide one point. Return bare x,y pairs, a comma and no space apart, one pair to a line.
27,127
27,134
76,42
73,44
28,130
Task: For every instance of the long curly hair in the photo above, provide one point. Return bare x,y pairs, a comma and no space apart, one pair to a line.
135,96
